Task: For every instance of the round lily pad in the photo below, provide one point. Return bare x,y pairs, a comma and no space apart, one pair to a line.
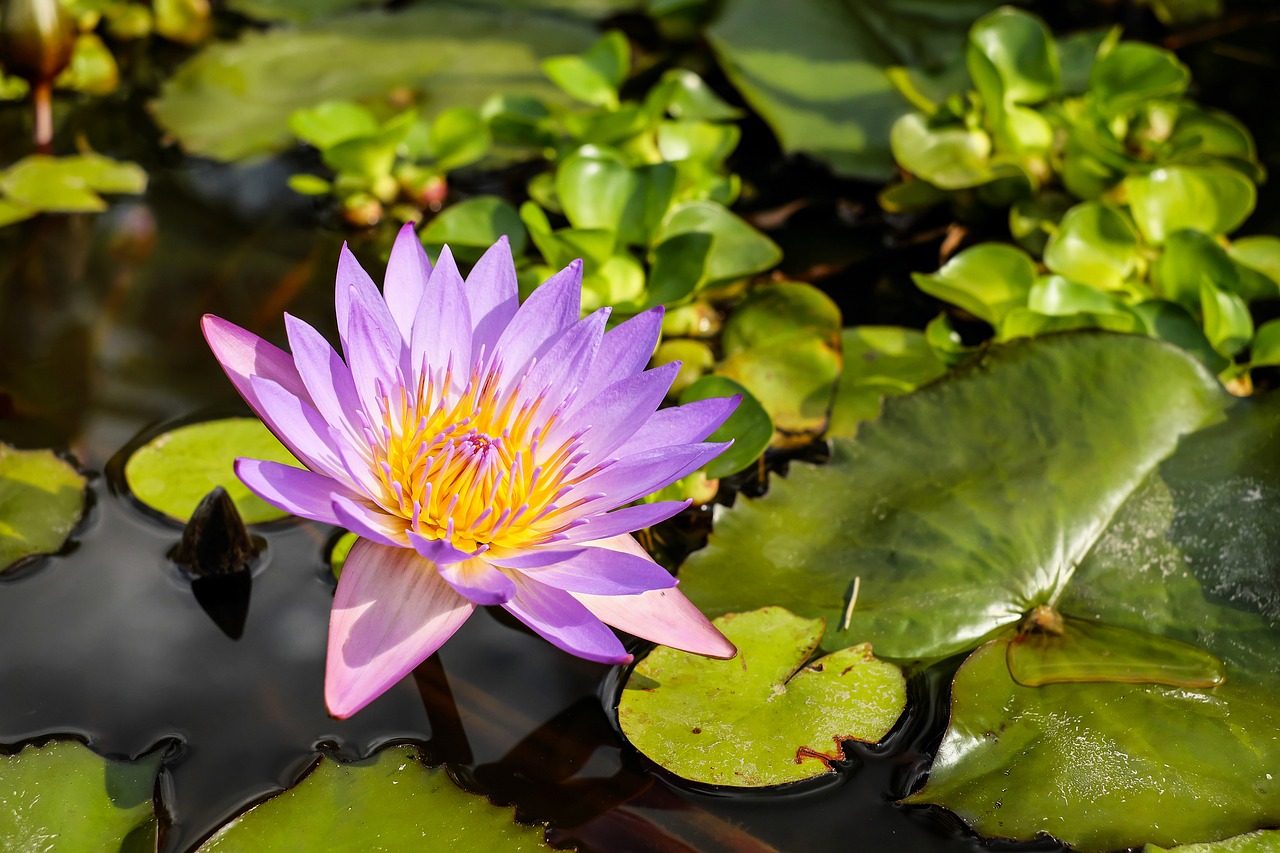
41,499
174,471
765,717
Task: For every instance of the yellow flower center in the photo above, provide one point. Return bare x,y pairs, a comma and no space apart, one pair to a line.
473,467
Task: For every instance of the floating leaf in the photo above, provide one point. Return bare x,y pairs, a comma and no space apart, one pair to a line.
1262,841
41,500
794,379
749,427
69,184
951,157
879,362
389,802
764,717
174,471
1012,58
1134,72
779,311
737,250
61,796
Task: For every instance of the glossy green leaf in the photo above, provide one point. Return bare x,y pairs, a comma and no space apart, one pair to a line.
1262,841
593,185
1133,72
1077,53
371,157
1189,259
951,157
69,184
1012,58
328,123
765,717
691,98
1260,254
955,539
749,427
774,60
41,501
459,136
473,225
174,471
1094,244
232,100
678,265
1056,296
1266,345
1214,200
338,553
737,250
595,76
794,378
1032,220
1173,323
1227,322
1082,650
392,801
986,280
777,311
879,362
62,796
695,357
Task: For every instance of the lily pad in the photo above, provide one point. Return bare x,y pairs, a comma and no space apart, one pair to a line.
64,184
1263,841
879,362
41,500
392,801
233,99
173,472
766,717
62,796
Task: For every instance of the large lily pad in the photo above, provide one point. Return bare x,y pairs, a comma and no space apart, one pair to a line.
389,802
41,499
233,99
879,362
966,503
845,122
62,796
174,471
1263,841
764,717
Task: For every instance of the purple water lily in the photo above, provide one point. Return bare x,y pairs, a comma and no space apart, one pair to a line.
485,452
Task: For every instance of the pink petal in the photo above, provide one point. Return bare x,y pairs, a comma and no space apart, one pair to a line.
243,354
563,367
478,581
619,410
440,551
687,424
370,522
493,295
625,520
644,473
298,426
373,353
408,270
390,613
325,375
662,616
548,312
562,620
355,286
442,328
293,490
624,352
604,571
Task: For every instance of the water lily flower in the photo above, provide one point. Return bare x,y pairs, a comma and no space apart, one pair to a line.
486,453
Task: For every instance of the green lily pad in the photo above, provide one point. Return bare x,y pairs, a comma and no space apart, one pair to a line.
774,60
173,472
233,99
1263,841
879,362
794,378
1212,199
957,539
765,717
392,801
41,500
69,184
62,796
778,311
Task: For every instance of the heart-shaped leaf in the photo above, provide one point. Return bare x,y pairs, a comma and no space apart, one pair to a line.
764,717
41,499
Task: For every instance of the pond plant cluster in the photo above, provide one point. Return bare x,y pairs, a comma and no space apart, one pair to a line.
895,377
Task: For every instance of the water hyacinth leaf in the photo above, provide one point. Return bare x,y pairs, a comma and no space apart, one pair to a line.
692,99
1056,296
1033,220
1012,58
1189,259
63,796
391,801
737,250
232,99
1227,322
593,185
93,69
765,717
1211,199
1077,53
1266,345
1262,841
679,263
879,362
955,540
1094,244
595,76
1134,72
338,553
986,280
1259,254
794,379
174,471
1172,322
473,225
950,157
1083,650
773,60
459,136
11,212
780,310
749,427
41,500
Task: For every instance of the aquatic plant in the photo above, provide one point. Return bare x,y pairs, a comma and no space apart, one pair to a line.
481,449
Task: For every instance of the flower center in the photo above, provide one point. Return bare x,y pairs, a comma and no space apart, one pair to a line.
475,466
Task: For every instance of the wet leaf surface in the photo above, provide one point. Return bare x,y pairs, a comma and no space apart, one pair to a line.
766,717
41,500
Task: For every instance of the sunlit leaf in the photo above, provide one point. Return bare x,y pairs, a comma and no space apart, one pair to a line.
1214,200
1094,244
986,280
41,500
879,362
473,225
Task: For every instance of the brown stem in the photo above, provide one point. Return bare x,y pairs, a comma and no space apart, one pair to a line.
42,100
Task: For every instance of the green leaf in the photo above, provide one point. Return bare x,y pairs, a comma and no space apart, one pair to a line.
692,99
1012,58
61,796
1262,255
331,122
879,362
594,185
696,360
1214,200
1189,259
371,157
1134,72
232,99
389,802
774,60
1056,296
338,553
951,157
459,137
1173,323
749,427
172,472
794,378
737,250
986,280
69,184
41,500
93,69
1266,345
780,311
1227,322
595,76
309,185
1094,244
473,225
763,718
1262,841
956,539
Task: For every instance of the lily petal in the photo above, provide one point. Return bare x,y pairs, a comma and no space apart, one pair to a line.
563,368
687,424
243,354
478,581
293,490
325,374
550,310
493,295
604,571
636,476
354,286
438,551
625,520
408,270
624,351
619,410
370,523
390,613
662,616
373,355
442,328
298,426
562,620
